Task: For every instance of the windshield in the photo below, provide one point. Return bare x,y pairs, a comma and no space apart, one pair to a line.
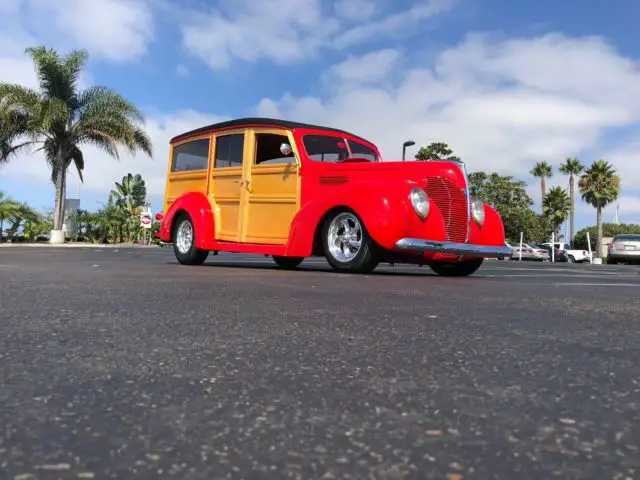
325,148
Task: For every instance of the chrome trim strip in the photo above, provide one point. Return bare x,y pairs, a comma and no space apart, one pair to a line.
419,245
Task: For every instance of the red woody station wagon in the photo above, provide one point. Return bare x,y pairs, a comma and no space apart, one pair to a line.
292,190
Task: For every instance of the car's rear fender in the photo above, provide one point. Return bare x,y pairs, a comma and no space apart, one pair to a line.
199,209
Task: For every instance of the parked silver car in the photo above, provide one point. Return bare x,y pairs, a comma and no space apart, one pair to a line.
624,248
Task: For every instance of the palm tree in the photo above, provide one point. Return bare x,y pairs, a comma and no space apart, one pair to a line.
572,167
129,197
556,206
60,119
599,186
542,170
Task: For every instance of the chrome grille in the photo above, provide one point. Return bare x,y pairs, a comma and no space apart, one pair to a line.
452,203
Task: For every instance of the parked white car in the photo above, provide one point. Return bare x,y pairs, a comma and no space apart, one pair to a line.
579,256
528,252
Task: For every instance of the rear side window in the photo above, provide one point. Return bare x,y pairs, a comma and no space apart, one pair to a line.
191,156
229,150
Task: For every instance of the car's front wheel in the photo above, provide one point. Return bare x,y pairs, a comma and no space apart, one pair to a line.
459,269
184,242
347,244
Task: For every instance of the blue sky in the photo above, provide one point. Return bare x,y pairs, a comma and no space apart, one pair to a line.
504,83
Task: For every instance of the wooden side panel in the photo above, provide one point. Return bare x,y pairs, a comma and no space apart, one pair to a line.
227,190
272,203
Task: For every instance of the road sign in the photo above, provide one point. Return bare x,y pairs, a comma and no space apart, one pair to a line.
145,218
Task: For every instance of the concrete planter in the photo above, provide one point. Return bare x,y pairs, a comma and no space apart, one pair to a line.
597,261
57,237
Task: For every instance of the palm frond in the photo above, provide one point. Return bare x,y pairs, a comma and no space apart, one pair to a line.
98,99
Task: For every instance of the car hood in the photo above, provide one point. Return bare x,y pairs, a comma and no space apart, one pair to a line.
412,171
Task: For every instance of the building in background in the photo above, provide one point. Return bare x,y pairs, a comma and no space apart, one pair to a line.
70,226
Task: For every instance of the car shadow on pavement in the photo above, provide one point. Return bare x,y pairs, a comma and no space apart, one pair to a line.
420,271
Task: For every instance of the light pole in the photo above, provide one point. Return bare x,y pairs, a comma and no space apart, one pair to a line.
406,144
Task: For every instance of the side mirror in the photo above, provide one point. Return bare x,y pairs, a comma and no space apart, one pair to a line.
286,149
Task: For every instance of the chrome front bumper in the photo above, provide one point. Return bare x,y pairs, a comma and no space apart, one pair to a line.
421,246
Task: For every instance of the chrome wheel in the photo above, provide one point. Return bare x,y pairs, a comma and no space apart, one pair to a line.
184,236
344,237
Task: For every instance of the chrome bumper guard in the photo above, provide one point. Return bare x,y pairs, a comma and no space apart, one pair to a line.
418,245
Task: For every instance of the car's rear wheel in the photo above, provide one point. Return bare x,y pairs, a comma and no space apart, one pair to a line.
287,262
571,259
184,242
347,244
459,269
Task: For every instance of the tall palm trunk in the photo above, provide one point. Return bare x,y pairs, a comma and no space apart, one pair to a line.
58,216
599,236
543,187
572,213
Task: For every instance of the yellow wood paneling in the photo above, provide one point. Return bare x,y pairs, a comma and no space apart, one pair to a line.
272,196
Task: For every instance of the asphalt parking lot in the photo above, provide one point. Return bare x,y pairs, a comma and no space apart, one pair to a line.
120,363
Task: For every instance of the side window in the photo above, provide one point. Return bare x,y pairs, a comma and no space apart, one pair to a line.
229,150
268,149
191,156
324,148
359,150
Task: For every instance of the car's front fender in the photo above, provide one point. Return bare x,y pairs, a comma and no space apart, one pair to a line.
491,232
385,210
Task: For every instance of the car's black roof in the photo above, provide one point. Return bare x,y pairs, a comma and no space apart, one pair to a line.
245,122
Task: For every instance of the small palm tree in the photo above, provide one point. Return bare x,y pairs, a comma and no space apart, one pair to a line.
556,206
599,186
8,208
572,167
129,197
60,119
542,170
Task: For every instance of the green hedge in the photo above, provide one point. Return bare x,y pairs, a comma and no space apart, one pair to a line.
608,230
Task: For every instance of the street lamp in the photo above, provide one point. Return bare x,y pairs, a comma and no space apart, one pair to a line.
406,144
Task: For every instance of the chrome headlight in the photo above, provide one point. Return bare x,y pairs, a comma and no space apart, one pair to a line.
477,211
420,202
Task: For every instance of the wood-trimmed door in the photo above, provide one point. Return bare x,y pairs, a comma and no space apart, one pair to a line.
271,190
228,160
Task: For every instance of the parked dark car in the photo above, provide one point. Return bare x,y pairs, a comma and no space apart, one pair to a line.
559,255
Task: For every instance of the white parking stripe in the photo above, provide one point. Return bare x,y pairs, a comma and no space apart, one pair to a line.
580,284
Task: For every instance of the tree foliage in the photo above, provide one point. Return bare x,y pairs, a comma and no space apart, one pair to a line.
436,151
572,167
599,186
556,206
60,119
608,230
511,200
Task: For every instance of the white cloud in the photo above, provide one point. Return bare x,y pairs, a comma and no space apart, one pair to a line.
116,30
356,10
285,31
372,67
394,24
478,98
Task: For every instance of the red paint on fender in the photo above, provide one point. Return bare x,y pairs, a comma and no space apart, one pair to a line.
199,209
492,231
